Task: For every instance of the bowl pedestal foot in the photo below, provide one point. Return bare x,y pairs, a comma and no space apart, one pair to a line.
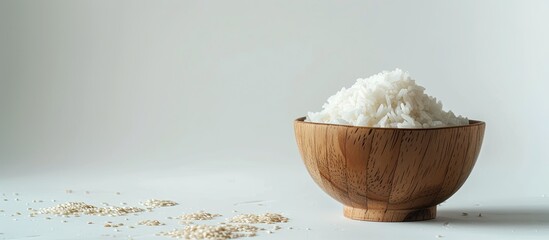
382,215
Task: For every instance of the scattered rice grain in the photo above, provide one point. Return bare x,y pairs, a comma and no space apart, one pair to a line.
77,208
199,216
113,225
151,223
269,218
219,232
155,203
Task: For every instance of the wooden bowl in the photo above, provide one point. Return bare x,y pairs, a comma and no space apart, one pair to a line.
389,174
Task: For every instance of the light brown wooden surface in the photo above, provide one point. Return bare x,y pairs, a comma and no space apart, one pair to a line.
389,174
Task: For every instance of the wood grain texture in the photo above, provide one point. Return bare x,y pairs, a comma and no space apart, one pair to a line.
389,174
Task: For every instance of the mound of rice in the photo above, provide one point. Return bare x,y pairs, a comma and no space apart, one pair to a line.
387,99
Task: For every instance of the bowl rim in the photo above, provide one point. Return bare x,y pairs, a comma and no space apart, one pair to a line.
472,123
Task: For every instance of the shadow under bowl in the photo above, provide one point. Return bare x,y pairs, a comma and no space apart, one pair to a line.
389,174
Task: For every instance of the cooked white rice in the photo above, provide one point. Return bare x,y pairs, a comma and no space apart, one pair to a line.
387,99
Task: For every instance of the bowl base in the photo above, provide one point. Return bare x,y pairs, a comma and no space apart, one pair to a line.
382,215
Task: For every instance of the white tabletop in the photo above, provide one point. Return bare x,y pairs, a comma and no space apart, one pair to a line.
228,185
193,101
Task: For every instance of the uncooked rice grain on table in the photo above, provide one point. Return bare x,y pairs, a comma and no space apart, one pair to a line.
201,215
220,232
77,208
150,223
155,203
269,218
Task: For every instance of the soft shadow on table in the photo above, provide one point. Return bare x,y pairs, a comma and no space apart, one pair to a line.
511,216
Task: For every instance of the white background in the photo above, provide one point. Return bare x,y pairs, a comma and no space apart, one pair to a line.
144,97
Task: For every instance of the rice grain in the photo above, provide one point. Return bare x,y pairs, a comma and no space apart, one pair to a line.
389,100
